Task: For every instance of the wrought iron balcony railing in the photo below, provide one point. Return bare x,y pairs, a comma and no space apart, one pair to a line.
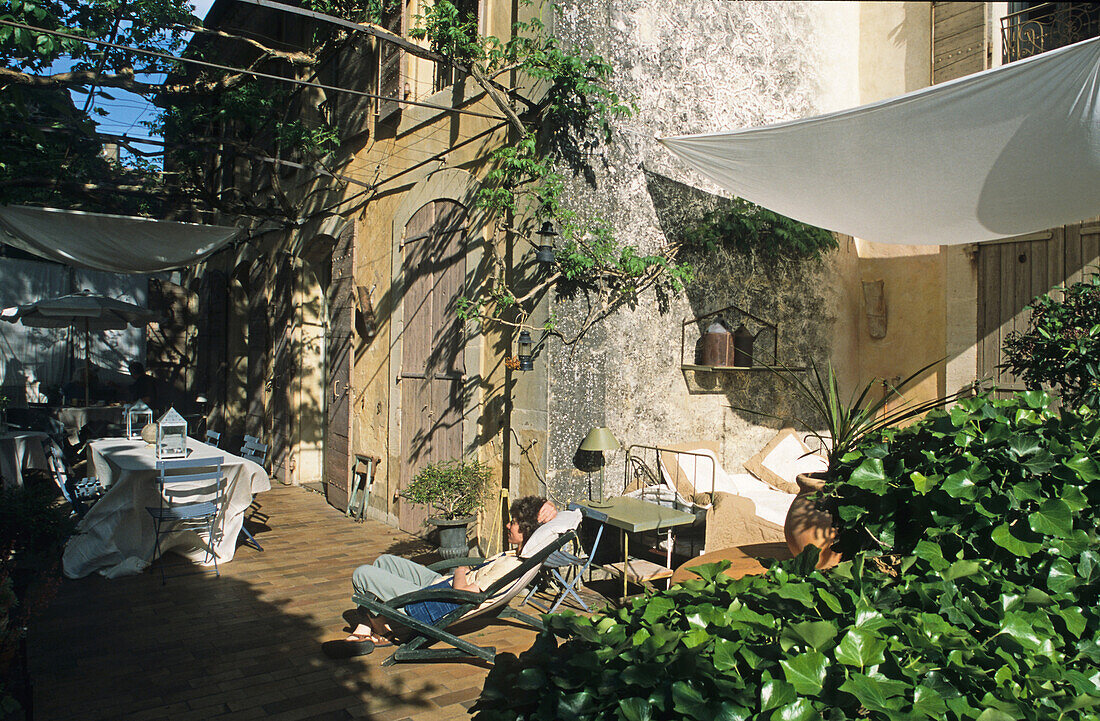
1047,26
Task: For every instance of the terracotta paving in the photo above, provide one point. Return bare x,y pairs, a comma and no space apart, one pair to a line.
246,645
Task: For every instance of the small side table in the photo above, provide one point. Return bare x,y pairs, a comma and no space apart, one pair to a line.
631,515
744,560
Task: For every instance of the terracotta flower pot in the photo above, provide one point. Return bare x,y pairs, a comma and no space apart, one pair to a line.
806,523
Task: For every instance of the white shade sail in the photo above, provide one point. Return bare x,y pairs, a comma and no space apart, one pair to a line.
1001,153
116,243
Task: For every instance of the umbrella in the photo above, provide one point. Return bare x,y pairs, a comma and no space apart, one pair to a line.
80,310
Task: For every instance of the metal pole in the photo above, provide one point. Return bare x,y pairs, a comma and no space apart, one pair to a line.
87,363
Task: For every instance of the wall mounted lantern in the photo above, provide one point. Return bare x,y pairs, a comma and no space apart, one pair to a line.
524,351
546,234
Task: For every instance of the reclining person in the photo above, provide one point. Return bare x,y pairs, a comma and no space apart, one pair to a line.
392,576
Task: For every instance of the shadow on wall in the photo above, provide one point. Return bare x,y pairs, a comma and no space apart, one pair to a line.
798,296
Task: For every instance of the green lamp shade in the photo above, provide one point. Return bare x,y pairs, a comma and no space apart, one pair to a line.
599,439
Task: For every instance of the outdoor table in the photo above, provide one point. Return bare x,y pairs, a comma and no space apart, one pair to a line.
632,515
19,450
116,537
76,417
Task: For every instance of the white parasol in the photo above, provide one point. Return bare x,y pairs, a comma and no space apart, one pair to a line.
84,310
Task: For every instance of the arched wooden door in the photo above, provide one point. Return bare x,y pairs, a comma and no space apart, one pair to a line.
432,367
338,362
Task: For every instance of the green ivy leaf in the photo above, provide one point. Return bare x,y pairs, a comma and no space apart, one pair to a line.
1002,535
636,709
1061,578
870,476
875,694
1084,467
1024,444
818,635
806,672
774,694
1052,519
725,654
959,485
861,648
800,710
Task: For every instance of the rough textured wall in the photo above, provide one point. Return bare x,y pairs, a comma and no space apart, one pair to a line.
690,67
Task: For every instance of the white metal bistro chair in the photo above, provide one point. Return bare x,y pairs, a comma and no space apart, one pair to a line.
192,495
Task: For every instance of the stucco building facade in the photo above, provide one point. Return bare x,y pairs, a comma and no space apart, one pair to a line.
342,338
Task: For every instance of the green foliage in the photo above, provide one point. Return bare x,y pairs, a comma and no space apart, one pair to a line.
1009,481
750,228
1061,346
449,33
451,489
984,606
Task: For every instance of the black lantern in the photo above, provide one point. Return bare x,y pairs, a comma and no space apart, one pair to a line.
545,254
526,363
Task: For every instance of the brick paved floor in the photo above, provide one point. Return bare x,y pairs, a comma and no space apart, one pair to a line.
246,645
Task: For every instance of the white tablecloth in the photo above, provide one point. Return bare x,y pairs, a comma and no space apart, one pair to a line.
19,450
116,537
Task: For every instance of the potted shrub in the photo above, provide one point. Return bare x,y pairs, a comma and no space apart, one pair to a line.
840,424
454,491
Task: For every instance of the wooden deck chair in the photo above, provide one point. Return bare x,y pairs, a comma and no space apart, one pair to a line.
492,602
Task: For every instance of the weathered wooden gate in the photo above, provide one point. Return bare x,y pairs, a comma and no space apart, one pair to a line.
1012,272
432,366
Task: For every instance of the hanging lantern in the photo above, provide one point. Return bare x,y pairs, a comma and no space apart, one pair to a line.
172,435
524,351
138,416
546,234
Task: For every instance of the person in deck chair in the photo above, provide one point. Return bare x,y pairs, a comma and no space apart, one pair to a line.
392,576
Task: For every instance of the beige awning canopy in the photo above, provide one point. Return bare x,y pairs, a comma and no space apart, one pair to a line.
1001,153
115,243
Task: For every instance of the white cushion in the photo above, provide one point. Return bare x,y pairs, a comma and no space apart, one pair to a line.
548,532
783,459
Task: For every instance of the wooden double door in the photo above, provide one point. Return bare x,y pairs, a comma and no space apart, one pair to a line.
432,374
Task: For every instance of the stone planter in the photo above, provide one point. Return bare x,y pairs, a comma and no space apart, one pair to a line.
806,523
452,536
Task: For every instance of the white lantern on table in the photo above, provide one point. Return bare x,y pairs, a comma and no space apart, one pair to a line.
138,416
172,435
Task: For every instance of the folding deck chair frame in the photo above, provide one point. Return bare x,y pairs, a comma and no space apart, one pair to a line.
500,593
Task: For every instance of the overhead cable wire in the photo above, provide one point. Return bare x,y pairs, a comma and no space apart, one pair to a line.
253,73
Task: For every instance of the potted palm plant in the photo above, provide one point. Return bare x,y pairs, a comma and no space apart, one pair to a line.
844,422
454,492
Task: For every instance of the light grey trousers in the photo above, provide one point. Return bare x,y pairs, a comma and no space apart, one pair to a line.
392,576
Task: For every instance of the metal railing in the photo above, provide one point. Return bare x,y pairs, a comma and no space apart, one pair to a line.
1047,26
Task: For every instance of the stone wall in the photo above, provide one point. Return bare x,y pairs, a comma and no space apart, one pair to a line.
691,67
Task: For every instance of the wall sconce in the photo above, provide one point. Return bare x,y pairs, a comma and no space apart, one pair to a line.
598,440
524,351
546,234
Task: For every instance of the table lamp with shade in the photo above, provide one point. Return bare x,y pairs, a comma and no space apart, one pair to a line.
598,440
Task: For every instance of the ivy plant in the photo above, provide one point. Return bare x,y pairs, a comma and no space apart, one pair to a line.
1061,345
750,228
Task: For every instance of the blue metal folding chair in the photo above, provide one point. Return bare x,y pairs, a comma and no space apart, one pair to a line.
213,438
558,562
192,494
255,451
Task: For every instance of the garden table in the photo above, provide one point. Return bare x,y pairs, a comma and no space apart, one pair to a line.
19,450
116,537
632,515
